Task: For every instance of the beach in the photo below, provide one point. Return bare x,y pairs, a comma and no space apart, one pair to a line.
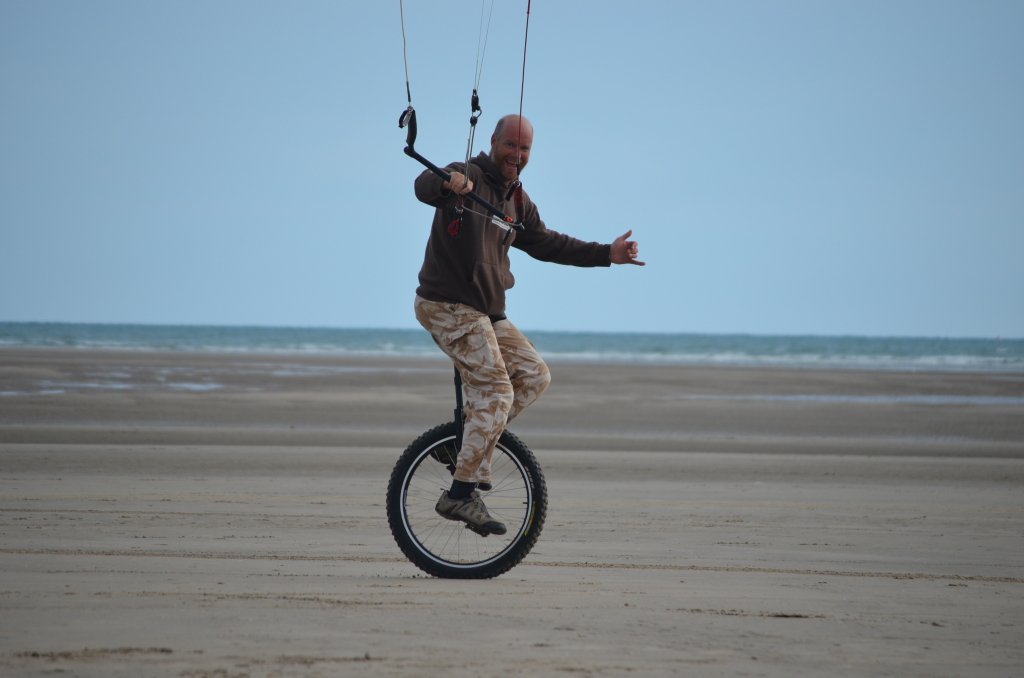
218,514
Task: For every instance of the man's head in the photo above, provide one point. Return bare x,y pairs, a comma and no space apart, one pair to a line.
510,146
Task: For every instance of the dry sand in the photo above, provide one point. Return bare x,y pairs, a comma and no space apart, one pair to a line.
212,515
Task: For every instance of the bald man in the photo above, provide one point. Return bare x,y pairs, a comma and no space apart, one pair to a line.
461,301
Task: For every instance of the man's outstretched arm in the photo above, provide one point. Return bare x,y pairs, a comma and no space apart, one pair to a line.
625,251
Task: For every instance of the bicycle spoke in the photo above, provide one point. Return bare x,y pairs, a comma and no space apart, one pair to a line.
437,467
509,477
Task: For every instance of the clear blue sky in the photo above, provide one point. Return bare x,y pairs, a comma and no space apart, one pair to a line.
788,167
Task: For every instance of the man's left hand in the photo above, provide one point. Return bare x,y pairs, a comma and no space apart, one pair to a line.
625,251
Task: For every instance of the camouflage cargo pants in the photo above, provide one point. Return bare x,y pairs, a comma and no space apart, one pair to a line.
502,374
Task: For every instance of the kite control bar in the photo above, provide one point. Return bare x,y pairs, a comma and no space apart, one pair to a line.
408,119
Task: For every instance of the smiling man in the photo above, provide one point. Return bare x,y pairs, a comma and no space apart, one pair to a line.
461,300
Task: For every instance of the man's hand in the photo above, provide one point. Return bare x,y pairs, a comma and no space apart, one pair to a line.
624,251
458,183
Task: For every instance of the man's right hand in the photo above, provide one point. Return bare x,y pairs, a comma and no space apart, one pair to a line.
458,183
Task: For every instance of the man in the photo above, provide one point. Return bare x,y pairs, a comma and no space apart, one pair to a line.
461,301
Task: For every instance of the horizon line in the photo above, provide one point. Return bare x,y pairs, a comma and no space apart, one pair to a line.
595,332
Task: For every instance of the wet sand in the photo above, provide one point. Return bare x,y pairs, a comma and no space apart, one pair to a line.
218,515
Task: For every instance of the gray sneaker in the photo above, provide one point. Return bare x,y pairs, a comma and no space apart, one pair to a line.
471,511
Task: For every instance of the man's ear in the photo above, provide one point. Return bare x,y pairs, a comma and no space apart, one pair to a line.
493,139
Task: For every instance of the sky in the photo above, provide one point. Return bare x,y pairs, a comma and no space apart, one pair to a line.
787,167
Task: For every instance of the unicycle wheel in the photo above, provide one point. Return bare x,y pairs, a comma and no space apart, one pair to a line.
446,548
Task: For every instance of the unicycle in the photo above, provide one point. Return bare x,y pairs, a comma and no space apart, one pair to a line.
445,548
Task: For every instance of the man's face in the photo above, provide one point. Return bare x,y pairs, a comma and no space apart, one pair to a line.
510,148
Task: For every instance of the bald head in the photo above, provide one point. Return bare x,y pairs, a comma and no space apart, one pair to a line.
510,146
514,119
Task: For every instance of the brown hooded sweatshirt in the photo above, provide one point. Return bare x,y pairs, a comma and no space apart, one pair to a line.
473,268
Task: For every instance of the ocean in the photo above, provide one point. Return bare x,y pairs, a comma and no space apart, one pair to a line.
844,352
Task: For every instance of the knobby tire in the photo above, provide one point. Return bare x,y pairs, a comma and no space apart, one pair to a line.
445,548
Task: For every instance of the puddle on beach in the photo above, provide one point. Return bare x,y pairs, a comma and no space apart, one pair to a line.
256,377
